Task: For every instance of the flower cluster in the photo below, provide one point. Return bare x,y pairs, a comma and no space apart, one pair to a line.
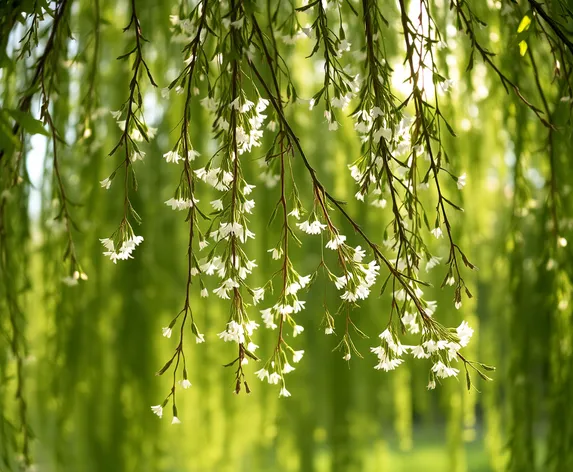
397,161
440,346
122,248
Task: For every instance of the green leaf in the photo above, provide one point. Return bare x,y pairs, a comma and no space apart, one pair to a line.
28,122
524,24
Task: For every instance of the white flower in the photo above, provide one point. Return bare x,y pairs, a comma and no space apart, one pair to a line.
386,335
462,181
185,383
336,242
166,332
69,281
387,364
222,292
298,306
125,250
458,305
340,102
248,189
116,114
297,356
262,374
180,203
295,213
175,420
446,85
276,253
172,156
217,204
284,392
105,183
268,318
108,244
258,295
431,385
359,254
262,104
297,330
464,333
199,338
287,368
249,205
443,371
385,133
158,410
284,309
293,288
419,353
316,227
192,154
250,327
380,203
234,332
433,262
137,156
328,330
274,378
344,46
347,357
437,232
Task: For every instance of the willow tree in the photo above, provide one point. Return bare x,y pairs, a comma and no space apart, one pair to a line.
318,156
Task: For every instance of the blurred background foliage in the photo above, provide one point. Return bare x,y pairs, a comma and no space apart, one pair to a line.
86,355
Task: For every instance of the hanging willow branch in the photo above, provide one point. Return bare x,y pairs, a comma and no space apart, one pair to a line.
376,73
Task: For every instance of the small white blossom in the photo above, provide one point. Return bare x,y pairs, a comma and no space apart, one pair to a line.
172,157
336,242
217,204
462,181
437,232
433,262
276,253
316,227
297,356
297,330
443,371
262,374
258,295
464,333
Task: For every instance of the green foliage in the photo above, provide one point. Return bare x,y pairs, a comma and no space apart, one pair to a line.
435,107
